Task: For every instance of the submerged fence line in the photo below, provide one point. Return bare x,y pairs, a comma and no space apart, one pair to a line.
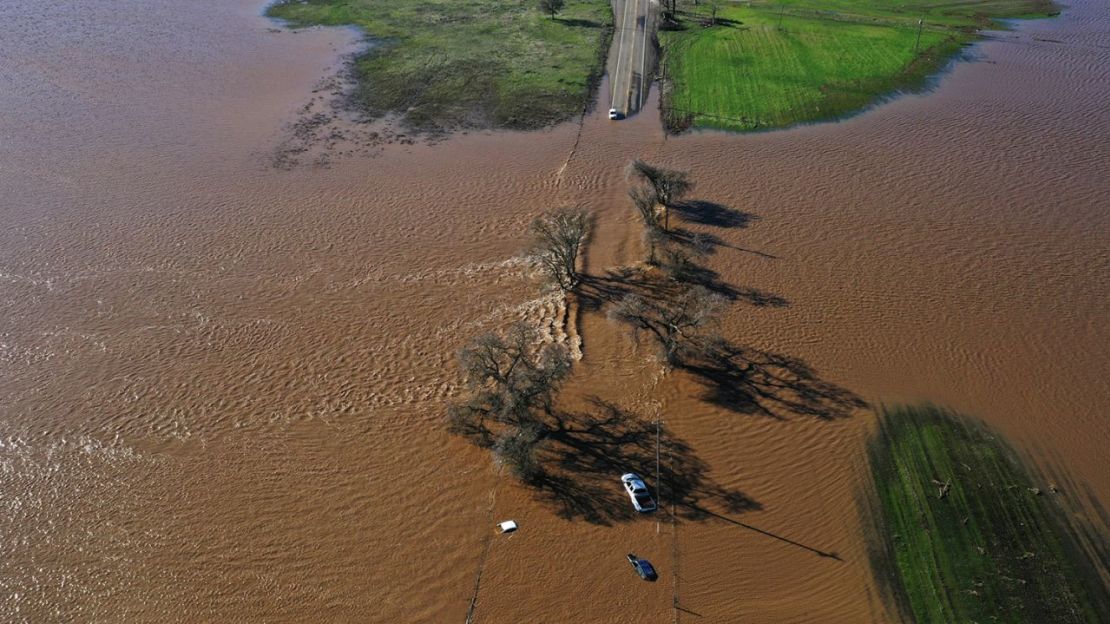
482,559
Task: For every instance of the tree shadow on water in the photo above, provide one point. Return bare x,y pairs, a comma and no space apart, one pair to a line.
705,242
595,291
709,279
587,452
694,246
713,214
747,380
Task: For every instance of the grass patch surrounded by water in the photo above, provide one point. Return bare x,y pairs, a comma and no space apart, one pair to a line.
966,534
772,65
444,64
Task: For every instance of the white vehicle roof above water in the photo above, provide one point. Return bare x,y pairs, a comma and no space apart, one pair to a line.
638,492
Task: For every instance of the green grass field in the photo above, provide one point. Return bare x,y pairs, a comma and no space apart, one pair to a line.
772,65
445,64
994,548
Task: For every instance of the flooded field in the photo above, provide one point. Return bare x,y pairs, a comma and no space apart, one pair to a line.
222,383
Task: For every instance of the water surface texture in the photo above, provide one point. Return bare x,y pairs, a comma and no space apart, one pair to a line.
222,384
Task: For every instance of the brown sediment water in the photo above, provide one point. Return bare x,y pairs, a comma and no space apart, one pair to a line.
221,384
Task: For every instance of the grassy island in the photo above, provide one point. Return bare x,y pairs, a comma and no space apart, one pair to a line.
443,64
967,535
760,65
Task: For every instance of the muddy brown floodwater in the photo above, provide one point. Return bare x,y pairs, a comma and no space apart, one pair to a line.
222,383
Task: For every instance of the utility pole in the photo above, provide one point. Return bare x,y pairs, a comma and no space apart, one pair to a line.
658,487
782,7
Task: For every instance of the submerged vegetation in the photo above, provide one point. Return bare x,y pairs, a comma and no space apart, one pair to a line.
476,63
967,534
757,65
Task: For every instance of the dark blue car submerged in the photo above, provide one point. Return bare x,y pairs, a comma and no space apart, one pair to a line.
642,567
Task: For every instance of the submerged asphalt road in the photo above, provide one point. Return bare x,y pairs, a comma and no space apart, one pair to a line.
633,56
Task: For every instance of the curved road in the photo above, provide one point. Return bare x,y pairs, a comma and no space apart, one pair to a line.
633,57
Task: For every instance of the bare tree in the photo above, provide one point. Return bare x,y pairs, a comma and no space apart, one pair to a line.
511,379
669,185
677,321
557,236
552,6
645,201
